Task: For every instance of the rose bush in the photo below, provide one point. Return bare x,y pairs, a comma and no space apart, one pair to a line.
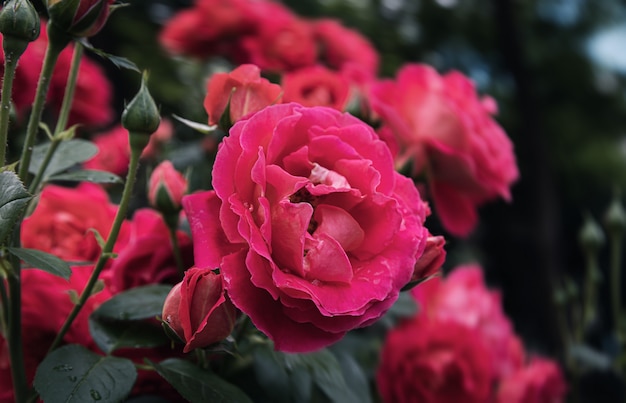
446,131
198,310
313,230
429,361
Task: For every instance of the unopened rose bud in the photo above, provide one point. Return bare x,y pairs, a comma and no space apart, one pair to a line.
79,18
591,236
430,262
19,25
615,217
198,310
141,117
166,188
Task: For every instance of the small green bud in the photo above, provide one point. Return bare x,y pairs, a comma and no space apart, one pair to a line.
141,117
615,217
19,25
591,236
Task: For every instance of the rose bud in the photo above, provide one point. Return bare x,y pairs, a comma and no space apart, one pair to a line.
198,310
19,25
231,96
141,117
431,261
81,18
166,188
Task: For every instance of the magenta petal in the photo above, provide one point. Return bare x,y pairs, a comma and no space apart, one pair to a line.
327,261
457,212
290,222
339,225
210,243
267,313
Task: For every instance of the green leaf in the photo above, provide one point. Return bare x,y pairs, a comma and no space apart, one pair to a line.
44,261
118,61
136,303
355,378
271,374
67,154
110,335
88,175
326,373
198,385
200,127
13,200
74,374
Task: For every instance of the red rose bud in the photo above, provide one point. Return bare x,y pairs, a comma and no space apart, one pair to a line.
198,311
81,18
430,262
231,96
166,188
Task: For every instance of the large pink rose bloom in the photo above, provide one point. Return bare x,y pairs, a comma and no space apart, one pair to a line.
446,130
463,297
314,231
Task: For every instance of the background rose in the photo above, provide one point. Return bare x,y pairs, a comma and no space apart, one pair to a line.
40,323
92,105
281,41
113,152
147,257
446,130
318,232
246,90
316,86
463,297
340,45
541,381
61,222
431,361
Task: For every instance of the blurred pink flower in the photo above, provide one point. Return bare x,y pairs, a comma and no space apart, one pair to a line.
463,297
448,132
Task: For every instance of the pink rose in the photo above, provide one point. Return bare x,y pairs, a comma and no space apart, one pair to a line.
541,381
166,188
113,152
463,297
63,218
210,27
311,226
45,305
198,310
430,361
341,45
246,90
281,41
447,131
147,257
316,86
